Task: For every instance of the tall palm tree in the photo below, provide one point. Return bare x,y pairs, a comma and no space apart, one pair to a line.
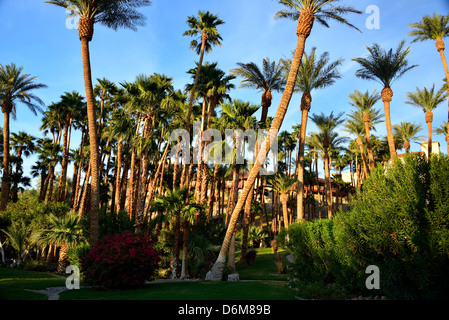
15,87
435,27
204,26
407,132
385,67
268,79
113,14
327,125
304,12
356,128
70,108
314,73
24,144
427,100
364,104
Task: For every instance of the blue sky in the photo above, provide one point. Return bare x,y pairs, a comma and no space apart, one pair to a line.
34,35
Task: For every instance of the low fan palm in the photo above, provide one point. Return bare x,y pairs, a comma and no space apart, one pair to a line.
65,232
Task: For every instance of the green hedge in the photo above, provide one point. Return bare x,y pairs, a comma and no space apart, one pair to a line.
399,222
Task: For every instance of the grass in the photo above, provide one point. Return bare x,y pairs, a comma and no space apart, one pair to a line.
13,283
259,281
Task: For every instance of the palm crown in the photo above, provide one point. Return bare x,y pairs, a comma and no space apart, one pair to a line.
430,27
384,66
205,24
322,10
426,99
112,13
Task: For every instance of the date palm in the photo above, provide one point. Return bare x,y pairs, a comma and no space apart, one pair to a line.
113,14
443,129
407,133
70,108
330,141
314,73
268,79
15,88
435,27
355,127
364,104
427,100
304,12
385,67
204,27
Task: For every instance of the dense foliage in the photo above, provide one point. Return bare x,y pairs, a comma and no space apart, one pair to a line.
121,262
399,223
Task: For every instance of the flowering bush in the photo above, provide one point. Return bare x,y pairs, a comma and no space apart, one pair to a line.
121,262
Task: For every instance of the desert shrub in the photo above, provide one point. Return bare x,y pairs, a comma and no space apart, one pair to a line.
121,262
399,222
75,254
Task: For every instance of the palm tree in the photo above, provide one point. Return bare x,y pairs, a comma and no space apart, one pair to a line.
65,232
407,132
269,79
314,73
427,100
284,184
304,12
356,128
205,26
443,129
435,27
385,67
330,140
364,104
18,234
23,144
15,87
113,14
70,108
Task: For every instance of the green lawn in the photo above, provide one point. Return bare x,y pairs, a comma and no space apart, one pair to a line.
258,282
14,281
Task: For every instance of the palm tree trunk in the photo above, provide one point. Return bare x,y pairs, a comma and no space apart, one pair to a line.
327,179
429,120
93,135
204,38
387,95
306,100
117,179
284,200
362,152
369,148
305,23
441,47
266,103
5,177
65,155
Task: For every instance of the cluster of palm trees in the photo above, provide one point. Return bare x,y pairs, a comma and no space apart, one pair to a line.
123,163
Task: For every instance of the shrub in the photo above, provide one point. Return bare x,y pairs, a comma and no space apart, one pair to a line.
76,253
121,262
399,222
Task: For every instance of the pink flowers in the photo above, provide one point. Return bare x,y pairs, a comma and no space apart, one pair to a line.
121,261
